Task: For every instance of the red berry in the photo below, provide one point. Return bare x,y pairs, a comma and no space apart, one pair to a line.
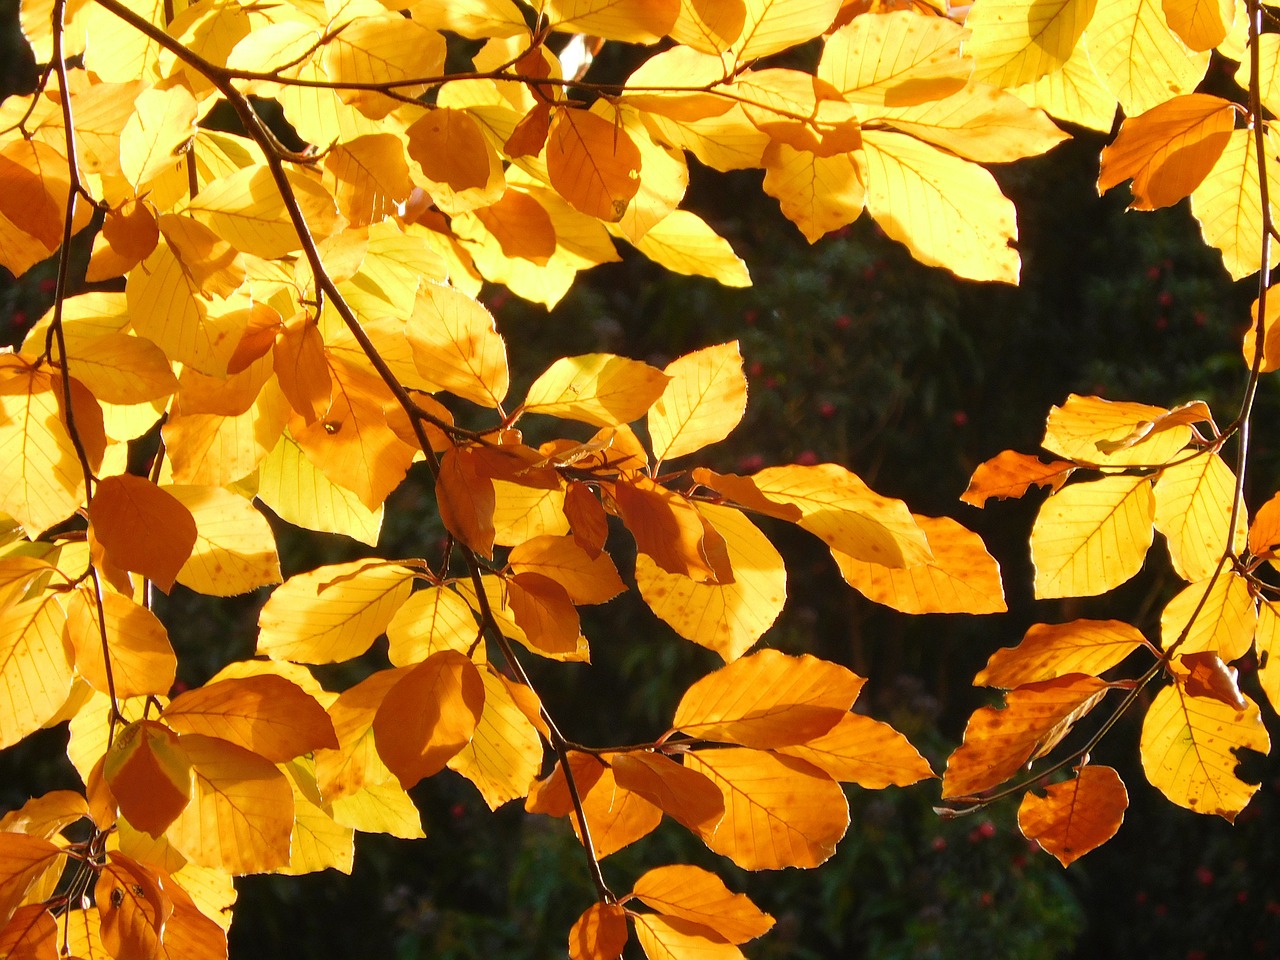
1165,299
826,409
756,368
960,419
1153,273
939,844
1242,896
770,383
457,811
1162,323
1199,318
48,285
987,829
807,458
751,463
1204,876
19,318
843,322
749,317
987,898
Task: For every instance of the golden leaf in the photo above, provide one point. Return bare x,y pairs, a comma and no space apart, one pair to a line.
699,896
1074,93
1225,618
895,59
1015,42
235,550
685,796
457,346
779,811
23,860
629,22
41,482
599,934
466,499
1169,150
381,49
1189,750
142,528
1010,474
31,934
332,613
704,399
154,138
246,209
817,194
149,774
674,938
132,907
299,492
682,242
505,752
585,579
1077,816
772,27
668,529
1052,650
1193,511
592,163
428,622
35,673
596,388
1091,537
1139,58
998,742
768,700
142,660
863,751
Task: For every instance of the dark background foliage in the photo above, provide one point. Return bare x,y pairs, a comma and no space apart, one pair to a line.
857,355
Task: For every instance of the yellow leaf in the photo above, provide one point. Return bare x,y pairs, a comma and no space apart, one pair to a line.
1011,474
709,27
240,817
142,660
682,242
687,797
1189,751
83,936
1169,150
394,262
779,811
318,842
119,368
846,514
505,753
1016,42
584,578
380,808
457,346
521,513
498,599
1193,511
1091,537
1052,650
216,449
863,751
46,815
666,175
772,27
895,59
41,482
699,896
1074,93
1107,433
266,714
1228,206
164,120
298,492
1076,816
246,209
332,613
142,528
629,22
1139,58
949,212
372,50
768,700
428,622
704,399
369,177
674,938
999,742
599,934
35,673
355,765
1202,24
597,388
592,163
1268,70
979,122
149,775
235,551
1224,623
725,617
23,860
428,715
476,19
120,52
1267,645
33,199
962,577
817,194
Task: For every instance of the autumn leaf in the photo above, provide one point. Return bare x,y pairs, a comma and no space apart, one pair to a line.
1076,816
863,751
593,163
702,402
149,774
597,388
1010,474
699,896
1052,650
133,909
599,934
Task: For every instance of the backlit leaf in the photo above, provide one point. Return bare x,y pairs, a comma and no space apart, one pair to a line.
1015,42
297,491
456,345
35,673
466,499
1000,741
779,811
133,909
669,530
817,194
596,388
771,26
505,752
332,613
23,859
429,621
1051,650
1202,24
701,897
1224,623
142,528
1139,58
682,242
703,401
895,59
31,934
141,661
235,551
1100,432
682,794
863,751
545,614
41,482
599,934
1077,816
593,163
372,50
1193,511
674,938
1190,751
768,700
149,773
1010,474
585,579
246,210
1091,537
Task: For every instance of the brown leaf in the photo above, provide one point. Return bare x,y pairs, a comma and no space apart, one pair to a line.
467,500
543,610
149,775
1208,676
301,368
667,528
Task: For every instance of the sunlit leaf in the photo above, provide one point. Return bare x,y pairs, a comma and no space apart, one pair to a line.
1224,618
142,528
863,751
1077,816
701,897
599,934
703,401
1052,650
597,388
1015,43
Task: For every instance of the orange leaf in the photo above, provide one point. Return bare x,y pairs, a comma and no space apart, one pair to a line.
31,934
301,368
267,714
1207,676
356,764
615,815
550,795
466,499
143,529
744,491
779,811
1264,534
592,163
521,225
688,797
701,897
668,529
149,774
768,700
586,579
450,147
142,659
23,859
1168,150
188,933
133,909
543,610
586,517
1009,475
530,134
599,934
674,938
1077,816
998,742
428,716
370,177
864,751
1050,650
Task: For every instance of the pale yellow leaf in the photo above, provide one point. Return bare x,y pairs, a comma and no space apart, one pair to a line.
682,242
1091,537
380,808
704,399
1190,750
1224,623
432,620
1108,433
246,209
155,136
597,388
332,613
457,346
895,59
1228,206
1016,42
949,212
297,491
505,753
41,480
630,22
863,751
521,513
1139,58
235,551
35,672
772,26
1193,511
1074,93
817,194
373,50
